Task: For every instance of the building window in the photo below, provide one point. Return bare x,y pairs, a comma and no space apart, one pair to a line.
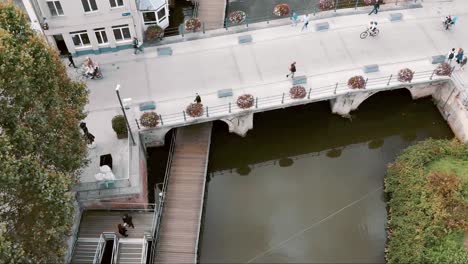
152,18
80,38
116,3
55,8
149,18
89,5
121,32
161,14
101,35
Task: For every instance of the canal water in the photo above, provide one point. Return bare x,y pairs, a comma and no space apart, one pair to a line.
306,185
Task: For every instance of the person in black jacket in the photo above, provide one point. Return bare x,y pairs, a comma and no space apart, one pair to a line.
128,220
376,7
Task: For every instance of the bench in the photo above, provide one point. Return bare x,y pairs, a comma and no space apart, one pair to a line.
299,80
150,105
166,51
225,93
322,26
245,39
438,59
371,68
396,16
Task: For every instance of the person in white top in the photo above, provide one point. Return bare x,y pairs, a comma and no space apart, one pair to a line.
373,26
306,21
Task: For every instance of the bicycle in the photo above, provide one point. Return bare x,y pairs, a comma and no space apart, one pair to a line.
368,32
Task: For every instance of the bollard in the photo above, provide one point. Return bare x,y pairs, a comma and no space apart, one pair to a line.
229,107
336,5
389,79
181,29
136,121
185,117
207,115
256,102
246,22
357,2
282,99
336,87
365,84
315,9
203,27
160,118
310,90
226,23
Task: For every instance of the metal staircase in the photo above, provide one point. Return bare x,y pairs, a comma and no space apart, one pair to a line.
85,249
131,251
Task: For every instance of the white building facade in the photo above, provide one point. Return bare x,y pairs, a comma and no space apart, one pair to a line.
83,27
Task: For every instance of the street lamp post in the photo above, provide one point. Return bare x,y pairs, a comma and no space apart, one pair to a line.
125,115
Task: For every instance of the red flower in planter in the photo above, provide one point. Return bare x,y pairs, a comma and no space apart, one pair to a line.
281,10
405,75
245,101
192,24
149,119
326,4
297,92
444,69
357,82
194,110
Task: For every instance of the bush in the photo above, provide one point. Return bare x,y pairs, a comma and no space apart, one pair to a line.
405,75
297,92
194,110
149,119
245,101
326,4
444,69
192,24
120,126
154,32
427,211
281,10
357,82
237,17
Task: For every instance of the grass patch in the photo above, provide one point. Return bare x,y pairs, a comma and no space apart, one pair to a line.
450,165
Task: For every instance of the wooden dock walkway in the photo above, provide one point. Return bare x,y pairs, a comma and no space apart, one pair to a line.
181,216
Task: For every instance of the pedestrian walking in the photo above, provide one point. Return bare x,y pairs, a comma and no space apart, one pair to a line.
127,219
459,56
295,18
450,56
122,230
463,63
197,99
137,46
306,21
70,59
292,70
376,7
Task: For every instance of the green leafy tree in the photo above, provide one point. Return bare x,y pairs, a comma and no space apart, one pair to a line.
41,147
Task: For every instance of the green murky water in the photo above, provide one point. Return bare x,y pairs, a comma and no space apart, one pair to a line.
306,185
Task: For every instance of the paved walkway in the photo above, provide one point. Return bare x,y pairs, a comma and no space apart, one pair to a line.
259,68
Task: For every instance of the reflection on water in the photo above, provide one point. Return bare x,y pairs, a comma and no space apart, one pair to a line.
313,190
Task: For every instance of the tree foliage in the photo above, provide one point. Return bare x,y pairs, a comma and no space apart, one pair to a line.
41,147
427,209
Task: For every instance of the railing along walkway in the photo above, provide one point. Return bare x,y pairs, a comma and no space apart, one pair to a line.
177,240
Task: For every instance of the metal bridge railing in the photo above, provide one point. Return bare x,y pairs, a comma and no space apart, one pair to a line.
213,112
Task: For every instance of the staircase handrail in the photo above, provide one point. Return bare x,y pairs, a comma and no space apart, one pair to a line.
144,250
155,232
99,250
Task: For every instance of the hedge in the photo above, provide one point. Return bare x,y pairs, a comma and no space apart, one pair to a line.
427,206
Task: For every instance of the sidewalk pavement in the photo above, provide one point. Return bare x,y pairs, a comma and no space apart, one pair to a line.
259,68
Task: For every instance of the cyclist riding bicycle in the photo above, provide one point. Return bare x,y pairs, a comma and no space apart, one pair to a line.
373,26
